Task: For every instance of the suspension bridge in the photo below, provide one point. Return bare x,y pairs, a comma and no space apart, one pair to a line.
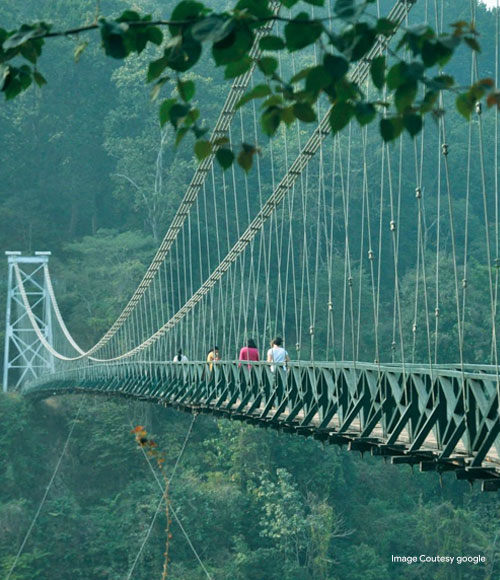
378,264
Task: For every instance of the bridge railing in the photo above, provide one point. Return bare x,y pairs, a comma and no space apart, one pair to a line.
449,413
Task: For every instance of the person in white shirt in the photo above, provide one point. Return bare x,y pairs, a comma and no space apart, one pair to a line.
277,354
179,357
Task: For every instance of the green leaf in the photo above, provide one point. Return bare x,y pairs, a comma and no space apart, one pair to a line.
25,33
271,43
202,149
316,2
288,3
405,95
39,79
235,45
181,133
365,112
429,101
225,158
185,55
270,120
336,66
345,8
113,40
257,92
390,128
186,90
164,111
304,112
235,69
245,160
465,104
439,51
377,71
155,68
472,43
3,36
302,74
258,8
340,115
363,40
441,82
25,77
154,35
287,115
412,123
317,79
301,32
385,26
198,132
185,10
272,101
178,113
12,87
268,65
192,116
395,76
129,16
28,50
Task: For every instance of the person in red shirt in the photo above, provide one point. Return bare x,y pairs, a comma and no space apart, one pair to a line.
249,352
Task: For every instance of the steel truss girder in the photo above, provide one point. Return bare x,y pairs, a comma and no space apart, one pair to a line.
442,419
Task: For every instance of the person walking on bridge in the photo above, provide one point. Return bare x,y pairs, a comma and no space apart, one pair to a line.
277,355
249,352
179,357
213,356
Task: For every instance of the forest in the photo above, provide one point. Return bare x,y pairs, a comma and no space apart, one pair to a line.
79,164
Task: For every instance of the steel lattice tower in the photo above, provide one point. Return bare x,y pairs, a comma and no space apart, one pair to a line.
24,355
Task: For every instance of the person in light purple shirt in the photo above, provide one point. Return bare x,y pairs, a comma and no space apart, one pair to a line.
249,352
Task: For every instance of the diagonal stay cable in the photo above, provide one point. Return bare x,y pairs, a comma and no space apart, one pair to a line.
47,490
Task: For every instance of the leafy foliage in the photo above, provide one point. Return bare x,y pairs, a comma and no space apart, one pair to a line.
231,35
255,504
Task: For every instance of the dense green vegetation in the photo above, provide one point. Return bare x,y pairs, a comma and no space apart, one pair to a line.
256,504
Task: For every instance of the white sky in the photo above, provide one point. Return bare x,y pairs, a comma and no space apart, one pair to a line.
490,3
